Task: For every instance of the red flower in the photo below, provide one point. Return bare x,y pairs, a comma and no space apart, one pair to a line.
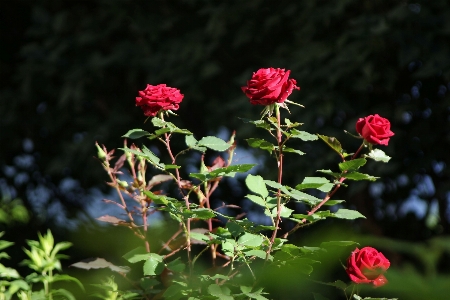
159,97
269,86
374,129
367,266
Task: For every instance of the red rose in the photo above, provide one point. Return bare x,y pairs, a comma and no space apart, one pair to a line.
159,97
367,266
374,129
269,86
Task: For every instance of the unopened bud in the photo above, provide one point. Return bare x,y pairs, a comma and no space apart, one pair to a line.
100,152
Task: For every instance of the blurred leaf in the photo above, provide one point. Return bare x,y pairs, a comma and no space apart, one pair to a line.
99,263
154,265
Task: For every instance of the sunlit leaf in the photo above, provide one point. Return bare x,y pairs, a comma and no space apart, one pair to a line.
214,143
256,184
352,165
359,176
303,135
348,214
136,133
251,240
378,155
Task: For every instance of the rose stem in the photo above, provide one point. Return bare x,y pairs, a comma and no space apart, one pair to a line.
327,197
280,176
186,200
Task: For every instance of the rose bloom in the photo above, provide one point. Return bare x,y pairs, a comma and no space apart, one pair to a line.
269,86
158,97
367,266
374,129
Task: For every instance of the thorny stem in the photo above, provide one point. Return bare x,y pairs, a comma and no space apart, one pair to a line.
327,197
185,197
280,176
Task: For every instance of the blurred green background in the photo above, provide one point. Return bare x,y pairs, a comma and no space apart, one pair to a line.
70,71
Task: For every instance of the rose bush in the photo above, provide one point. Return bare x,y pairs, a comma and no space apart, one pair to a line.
374,129
242,253
158,97
269,86
367,266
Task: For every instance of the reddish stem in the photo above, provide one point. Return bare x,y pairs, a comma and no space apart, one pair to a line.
327,197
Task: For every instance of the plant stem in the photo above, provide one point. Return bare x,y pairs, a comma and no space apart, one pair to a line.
186,200
327,197
280,176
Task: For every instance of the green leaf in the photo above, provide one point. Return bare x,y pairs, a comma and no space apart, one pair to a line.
136,133
292,125
222,292
337,244
257,199
258,123
303,135
136,255
158,199
151,156
226,171
6,272
65,294
292,150
348,214
154,264
255,183
378,155
285,212
174,291
303,197
320,183
191,141
228,247
64,277
231,170
214,143
261,144
176,265
234,228
332,142
329,172
359,176
276,185
254,252
199,238
202,213
157,122
333,202
250,240
352,165
5,244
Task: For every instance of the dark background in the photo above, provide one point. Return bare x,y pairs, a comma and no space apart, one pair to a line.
70,70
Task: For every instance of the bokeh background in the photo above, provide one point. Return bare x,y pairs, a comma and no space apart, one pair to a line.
70,71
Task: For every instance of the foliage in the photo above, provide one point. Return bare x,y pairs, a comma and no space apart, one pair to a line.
240,250
43,259
353,58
